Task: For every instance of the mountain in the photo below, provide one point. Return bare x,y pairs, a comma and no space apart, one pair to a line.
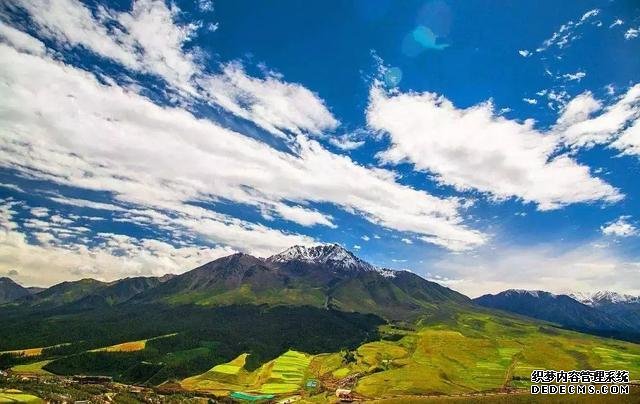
603,298
63,293
326,276
10,291
624,307
119,291
560,309
90,293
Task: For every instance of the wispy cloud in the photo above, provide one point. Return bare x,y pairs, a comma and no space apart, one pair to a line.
620,228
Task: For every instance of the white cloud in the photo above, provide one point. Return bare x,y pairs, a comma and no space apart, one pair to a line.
619,228
631,33
473,149
366,238
345,143
205,5
531,101
616,22
406,241
567,32
303,216
106,138
84,203
54,258
270,103
20,40
579,109
147,39
39,212
629,140
602,128
589,14
577,76
524,53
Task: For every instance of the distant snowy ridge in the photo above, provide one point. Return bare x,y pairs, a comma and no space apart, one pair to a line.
533,293
604,297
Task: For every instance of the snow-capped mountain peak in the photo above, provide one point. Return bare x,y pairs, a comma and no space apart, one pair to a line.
604,297
532,293
328,254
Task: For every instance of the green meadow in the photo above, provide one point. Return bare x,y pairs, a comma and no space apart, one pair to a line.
17,396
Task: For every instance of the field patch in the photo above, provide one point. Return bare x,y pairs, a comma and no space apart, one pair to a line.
25,352
32,368
17,396
131,346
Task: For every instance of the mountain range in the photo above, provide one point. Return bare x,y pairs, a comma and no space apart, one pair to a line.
326,277
601,313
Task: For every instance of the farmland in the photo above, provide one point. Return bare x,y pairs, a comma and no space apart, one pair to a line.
478,353
284,374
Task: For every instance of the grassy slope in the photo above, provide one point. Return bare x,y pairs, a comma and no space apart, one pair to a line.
16,396
478,352
35,368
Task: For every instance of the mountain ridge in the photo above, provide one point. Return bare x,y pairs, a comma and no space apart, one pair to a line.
564,310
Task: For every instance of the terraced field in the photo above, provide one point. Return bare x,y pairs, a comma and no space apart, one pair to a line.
284,374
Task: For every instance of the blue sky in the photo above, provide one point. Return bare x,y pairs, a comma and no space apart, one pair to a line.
485,147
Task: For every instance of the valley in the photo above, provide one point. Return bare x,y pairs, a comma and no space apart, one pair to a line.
305,327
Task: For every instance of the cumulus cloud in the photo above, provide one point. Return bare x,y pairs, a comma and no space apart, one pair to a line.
620,228
104,137
579,128
475,149
579,109
531,101
524,53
